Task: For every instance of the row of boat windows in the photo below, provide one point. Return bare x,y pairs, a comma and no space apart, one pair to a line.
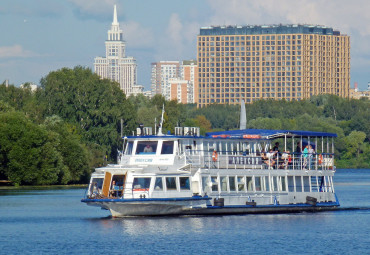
227,183
244,183
256,183
167,147
223,183
162,183
150,147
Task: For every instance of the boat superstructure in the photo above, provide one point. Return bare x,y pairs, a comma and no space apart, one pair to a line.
240,171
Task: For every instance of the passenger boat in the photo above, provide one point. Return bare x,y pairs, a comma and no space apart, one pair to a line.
229,172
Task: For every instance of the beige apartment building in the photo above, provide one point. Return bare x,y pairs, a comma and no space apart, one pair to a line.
290,62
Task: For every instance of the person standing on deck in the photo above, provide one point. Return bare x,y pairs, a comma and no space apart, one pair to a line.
305,157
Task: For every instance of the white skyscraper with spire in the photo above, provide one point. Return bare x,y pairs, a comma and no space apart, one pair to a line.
115,65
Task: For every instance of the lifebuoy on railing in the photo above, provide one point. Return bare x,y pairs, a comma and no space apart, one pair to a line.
320,159
214,156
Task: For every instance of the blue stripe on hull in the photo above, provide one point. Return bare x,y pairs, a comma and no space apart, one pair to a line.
147,199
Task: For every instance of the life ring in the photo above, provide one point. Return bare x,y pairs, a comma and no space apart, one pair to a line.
320,159
214,156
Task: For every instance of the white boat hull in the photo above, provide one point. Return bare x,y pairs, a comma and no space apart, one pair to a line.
123,209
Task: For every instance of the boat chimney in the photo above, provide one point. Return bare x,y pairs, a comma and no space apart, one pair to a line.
243,116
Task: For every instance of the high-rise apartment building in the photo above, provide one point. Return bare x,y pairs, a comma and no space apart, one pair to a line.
115,65
181,91
291,62
189,72
162,73
175,80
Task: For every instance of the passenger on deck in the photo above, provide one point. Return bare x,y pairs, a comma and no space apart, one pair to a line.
148,148
277,154
311,152
298,149
286,160
95,191
270,159
113,189
276,147
305,157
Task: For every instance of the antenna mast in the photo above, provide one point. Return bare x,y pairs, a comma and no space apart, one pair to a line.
161,124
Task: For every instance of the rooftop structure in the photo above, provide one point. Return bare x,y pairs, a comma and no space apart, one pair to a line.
268,29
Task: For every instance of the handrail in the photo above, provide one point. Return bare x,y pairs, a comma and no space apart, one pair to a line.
297,161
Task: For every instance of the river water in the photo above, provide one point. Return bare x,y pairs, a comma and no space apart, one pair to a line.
54,221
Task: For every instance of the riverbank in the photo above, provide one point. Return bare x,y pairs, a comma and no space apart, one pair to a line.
72,186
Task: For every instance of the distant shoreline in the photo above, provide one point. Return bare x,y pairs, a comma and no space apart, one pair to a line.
38,187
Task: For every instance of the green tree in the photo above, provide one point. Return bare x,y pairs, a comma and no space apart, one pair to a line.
75,154
28,152
204,124
97,106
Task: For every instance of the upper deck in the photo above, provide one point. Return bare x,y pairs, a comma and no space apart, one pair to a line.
237,149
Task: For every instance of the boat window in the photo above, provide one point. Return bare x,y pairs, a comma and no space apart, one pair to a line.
204,183
223,148
275,183
214,183
118,180
129,147
232,183
267,183
258,183
146,147
158,184
96,185
290,184
223,183
298,184
283,184
184,183
241,184
167,147
306,182
141,184
250,184
171,183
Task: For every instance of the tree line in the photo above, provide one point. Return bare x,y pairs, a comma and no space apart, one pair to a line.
72,123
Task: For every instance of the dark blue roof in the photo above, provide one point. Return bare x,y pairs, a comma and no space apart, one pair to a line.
266,133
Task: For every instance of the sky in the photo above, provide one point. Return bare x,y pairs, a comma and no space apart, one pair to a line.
40,36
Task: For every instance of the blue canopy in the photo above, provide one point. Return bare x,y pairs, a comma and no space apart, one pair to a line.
266,134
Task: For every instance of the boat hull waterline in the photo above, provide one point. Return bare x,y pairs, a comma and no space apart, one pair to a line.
122,208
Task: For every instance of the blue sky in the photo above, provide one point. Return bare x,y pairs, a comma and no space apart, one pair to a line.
39,36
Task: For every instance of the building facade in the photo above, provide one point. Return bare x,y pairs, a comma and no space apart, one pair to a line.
181,91
162,73
189,72
115,65
291,62
170,77
357,94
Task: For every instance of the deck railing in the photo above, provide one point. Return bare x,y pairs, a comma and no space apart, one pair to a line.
292,161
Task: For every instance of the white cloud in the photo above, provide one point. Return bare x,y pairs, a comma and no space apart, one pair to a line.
16,51
174,29
179,35
137,36
95,8
341,14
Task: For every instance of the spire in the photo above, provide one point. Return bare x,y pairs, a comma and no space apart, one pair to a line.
115,22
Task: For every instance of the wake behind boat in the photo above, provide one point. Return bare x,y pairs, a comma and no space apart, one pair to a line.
228,172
